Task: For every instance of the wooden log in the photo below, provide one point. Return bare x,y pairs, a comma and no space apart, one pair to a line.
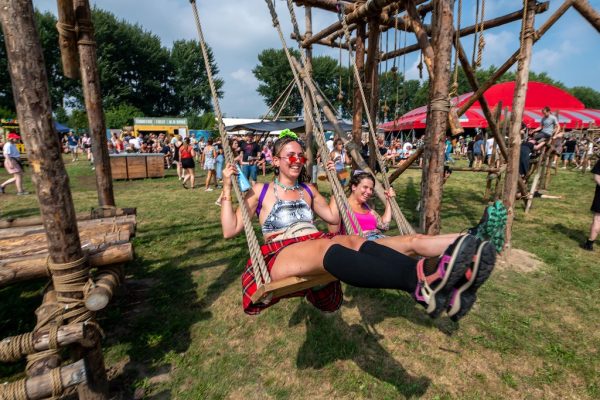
41,387
90,80
357,111
118,222
82,216
512,168
371,84
588,12
12,271
44,317
328,5
437,119
67,39
535,183
106,283
413,19
514,58
308,106
488,24
81,333
492,161
88,242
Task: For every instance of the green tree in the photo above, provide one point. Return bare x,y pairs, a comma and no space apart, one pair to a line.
190,82
121,115
60,114
274,74
587,95
78,120
205,121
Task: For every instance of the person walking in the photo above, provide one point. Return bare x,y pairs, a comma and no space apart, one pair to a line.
210,155
186,158
73,142
177,143
12,163
478,151
219,161
595,228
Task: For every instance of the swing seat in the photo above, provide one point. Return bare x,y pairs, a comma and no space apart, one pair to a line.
290,285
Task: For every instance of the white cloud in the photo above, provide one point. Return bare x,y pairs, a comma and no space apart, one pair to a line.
245,77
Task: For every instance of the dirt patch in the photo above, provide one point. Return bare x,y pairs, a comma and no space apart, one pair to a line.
520,260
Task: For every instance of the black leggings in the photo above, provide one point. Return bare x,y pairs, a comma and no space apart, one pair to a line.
372,266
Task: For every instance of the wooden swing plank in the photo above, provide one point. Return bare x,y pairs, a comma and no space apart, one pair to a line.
291,285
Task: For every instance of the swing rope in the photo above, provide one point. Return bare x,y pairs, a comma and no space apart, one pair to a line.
402,223
348,217
454,88
259,267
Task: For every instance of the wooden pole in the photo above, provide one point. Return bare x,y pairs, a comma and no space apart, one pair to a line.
90,79
492,160
515,57
371,85
67,38
512,168
82,216
308,106
588,12
357,112
414,20
105,285
437,119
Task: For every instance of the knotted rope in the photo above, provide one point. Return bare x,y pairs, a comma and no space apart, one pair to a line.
85,26
14,348
14,390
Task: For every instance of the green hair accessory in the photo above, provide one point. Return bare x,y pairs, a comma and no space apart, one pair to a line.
288,133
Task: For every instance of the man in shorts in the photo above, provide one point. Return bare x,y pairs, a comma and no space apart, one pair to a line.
73,142
548,127
595,229
570,148
250,155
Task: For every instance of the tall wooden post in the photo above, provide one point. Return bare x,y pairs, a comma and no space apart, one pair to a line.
32,99
90,79
514,140
372,82
437,118
308,106
359,58
67,38
587,11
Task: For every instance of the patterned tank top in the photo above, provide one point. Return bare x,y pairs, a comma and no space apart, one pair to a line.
285,212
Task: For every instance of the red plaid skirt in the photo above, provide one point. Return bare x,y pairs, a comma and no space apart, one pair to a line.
328,298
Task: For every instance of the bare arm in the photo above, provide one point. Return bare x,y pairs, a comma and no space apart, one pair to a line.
386,218
231,220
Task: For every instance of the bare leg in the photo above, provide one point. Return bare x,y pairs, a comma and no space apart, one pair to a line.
179,170
214,176
419,245
595,229
9,181
185,177
191,174
19,182
306,258
208,178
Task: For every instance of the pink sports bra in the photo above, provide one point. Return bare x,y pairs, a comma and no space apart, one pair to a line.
367,221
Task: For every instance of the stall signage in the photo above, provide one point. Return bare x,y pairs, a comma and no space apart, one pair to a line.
161,121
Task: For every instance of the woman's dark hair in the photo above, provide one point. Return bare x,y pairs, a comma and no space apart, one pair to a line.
210,141
357,178
279,144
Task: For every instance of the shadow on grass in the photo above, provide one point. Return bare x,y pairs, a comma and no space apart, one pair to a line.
20,213
577,235
329,338
160,306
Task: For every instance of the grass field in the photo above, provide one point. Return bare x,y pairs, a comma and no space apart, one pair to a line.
178,330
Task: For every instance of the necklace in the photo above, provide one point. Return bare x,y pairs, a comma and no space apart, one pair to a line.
285,187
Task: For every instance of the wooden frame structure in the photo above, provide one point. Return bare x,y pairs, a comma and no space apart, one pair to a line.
368,18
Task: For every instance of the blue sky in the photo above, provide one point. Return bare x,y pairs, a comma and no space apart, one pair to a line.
238,30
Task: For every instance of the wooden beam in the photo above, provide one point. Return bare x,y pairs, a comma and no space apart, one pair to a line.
371,84
518,106
514,58
67,39
90,80
357,111
308,106
370,7
437,119
328,5
413,19
105,285
491,23
42,386
588,12
82,216
406,164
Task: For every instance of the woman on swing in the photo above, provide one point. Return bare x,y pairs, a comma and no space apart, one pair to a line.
294,247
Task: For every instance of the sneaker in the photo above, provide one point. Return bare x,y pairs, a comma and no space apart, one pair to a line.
465,292
563,167
209,190
435,291
184,185
23,193
491,226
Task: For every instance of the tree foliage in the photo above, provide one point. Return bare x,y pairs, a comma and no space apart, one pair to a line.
122,115
136,70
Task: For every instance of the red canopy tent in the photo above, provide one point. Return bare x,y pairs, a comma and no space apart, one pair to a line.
572,112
